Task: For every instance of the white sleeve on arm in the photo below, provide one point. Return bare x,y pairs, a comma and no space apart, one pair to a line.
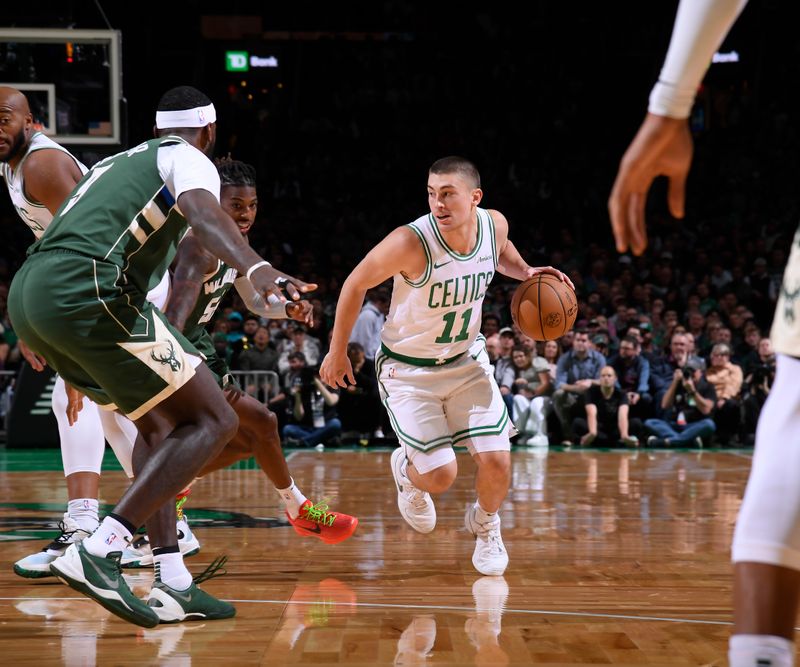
183,168
700,27
274,309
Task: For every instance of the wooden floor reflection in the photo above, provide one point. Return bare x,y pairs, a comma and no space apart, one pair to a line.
616,558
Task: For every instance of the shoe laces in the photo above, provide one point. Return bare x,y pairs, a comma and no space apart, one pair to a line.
318,513
215,569
67,528
419,499
180,501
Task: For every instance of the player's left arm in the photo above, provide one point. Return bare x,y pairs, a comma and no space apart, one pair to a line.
509,262
50,177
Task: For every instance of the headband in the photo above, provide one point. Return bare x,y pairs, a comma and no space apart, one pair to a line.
197,117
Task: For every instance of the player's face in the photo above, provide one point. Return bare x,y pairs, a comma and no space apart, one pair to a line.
13,135
241,203
452,200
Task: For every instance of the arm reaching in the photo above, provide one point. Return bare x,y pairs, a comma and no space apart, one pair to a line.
400,252
663,144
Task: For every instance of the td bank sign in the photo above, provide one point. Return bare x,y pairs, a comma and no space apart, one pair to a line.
242,61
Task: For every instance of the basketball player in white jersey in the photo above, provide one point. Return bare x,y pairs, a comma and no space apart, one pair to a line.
40,174
766,544
434,373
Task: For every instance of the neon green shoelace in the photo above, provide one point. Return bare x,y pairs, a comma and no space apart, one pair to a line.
318,513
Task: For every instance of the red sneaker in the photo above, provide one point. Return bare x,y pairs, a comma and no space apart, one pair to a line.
316,521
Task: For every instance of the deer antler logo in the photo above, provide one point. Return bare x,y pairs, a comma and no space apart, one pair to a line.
169,359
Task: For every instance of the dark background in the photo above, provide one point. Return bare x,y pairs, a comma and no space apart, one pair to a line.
543,96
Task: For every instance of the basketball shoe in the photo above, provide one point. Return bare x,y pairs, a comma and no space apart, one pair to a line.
139,553
490,556
416,506
100,578
315,520
38,565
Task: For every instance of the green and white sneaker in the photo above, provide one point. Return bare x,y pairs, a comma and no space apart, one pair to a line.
192,604
100,578
139,553
37,565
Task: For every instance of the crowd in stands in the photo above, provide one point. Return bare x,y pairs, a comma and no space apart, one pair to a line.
669,348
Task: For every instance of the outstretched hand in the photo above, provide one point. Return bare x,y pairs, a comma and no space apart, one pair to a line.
662,147
268,280
302,311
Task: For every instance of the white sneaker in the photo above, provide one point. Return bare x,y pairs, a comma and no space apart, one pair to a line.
416,506
540,440
490,556
38,565
139,553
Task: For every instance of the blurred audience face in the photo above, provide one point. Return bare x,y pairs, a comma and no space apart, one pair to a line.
752,337
678,348
490,326
724,335
627,350
493,346
720,356
507,343
690,347
567,340
261,338
765,350
608,376
521,359
551,351
580,343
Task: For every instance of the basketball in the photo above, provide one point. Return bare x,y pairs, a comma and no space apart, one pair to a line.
544,307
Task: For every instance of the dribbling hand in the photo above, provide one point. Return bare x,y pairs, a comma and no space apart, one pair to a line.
536,270
268,280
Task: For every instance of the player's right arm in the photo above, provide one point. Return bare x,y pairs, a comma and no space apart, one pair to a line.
400,252
50,176
192,263
663,144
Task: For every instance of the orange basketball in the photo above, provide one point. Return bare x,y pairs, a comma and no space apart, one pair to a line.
543,307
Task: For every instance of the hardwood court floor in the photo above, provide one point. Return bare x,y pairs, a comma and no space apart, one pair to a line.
617,557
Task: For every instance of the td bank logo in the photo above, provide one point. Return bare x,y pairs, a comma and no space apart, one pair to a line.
237,61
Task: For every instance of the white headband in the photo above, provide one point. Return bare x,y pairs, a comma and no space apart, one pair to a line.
197,117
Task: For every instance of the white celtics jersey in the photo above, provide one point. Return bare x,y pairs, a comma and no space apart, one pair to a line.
785,332
34,214
435,318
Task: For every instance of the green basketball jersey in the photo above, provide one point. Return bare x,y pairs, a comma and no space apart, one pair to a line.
215,286
123,213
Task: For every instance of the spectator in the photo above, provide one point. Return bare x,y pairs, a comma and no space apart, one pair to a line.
504,372
727,380
249,328
235,321
633,373
490,324
313,419
577,370
607,420
551,353
298,341
688,402
359,405
261,355
367,328
758,381
533,386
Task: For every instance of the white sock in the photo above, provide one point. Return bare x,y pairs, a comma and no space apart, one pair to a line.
110,536
292,498
172,571
760,651
482,516
84,512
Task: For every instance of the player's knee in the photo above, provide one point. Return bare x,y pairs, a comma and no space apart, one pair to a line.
440,479
495,464
222,425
